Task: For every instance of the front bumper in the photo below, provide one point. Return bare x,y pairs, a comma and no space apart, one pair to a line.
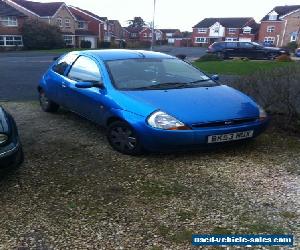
163,140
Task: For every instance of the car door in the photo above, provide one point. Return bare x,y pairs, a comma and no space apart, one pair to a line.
87,102
55,78
231,49
247,50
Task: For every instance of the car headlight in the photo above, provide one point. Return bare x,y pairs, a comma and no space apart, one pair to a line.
262,113
3,138
162,120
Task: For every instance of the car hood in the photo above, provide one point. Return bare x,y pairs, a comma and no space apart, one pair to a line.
193,105
3,122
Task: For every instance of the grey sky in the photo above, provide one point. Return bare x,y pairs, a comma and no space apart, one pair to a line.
181,14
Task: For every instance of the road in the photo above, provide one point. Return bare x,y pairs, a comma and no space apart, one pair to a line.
20,72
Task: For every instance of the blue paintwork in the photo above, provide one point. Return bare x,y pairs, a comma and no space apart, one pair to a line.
189,105
297,53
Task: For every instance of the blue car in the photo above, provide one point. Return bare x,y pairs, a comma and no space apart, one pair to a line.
297,52
149,101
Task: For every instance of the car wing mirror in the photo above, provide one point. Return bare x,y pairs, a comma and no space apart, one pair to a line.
89,84
215,77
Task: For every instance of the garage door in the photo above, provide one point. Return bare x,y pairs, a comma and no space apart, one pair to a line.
245,39
92,39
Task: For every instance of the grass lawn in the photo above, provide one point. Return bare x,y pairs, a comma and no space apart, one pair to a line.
231,67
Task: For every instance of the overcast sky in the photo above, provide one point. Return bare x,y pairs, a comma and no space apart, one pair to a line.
182,14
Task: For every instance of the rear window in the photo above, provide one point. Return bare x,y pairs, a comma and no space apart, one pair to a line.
218,45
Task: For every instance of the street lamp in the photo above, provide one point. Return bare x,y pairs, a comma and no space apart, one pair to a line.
153,19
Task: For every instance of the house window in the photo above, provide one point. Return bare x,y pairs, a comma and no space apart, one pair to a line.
10,21
133,35
293,37
269,40
200,40
59,22
67,23
145,34
270,29
217,30
231,39
11,41
247,30
81,25
68,40
231,30
202,30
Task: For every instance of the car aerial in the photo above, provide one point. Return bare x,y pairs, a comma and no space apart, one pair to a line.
11,153
149,101
297,52
249,50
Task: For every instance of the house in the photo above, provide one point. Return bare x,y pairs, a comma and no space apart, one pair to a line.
146,34
55,13
211,30
170,35
89,27
11,21
132,33
281,25
116,29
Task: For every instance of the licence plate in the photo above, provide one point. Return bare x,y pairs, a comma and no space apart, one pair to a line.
230,137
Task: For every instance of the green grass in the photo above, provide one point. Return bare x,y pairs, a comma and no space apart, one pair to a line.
237,67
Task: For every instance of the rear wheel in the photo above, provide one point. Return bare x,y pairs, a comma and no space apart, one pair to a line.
46,104
222,55
123,138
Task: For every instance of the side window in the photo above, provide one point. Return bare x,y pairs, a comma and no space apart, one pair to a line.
63,63
85,70
231,45
246,45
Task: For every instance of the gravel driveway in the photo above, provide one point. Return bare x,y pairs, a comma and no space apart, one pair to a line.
74,192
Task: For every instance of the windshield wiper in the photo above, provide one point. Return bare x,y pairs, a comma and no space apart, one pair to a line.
169,85
201,80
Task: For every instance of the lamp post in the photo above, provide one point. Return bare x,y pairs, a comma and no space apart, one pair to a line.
153,19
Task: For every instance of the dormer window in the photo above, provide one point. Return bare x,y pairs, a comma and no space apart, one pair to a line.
82,25
273,16
247,30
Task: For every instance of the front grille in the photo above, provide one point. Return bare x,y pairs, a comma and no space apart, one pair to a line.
223,123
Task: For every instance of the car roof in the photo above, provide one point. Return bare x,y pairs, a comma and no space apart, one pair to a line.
122,54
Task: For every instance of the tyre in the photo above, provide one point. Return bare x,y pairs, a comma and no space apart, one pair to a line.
222,55
46,104
272,56
123,138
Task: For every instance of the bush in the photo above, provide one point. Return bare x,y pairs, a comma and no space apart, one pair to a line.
209,57
284,58
41,35
277,90
85,44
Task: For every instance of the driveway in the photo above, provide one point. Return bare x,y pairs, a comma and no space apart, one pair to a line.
21,71
74,192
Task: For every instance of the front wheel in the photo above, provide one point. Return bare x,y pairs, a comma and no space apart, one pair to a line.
123,138
272,56
222,55
46,104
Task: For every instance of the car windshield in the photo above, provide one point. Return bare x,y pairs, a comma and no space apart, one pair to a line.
256,44
139,74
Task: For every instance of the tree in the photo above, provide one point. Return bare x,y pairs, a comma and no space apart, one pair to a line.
41,35
136,22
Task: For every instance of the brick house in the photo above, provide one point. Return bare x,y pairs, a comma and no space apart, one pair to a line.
132,33
211,30
115,29
54,13
281,25
146,34
11,21
89,27
169,35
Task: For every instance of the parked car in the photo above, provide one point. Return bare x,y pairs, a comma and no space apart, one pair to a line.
11,153
149,101
297,52
249,50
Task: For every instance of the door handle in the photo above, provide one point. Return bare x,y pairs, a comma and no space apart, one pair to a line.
64,85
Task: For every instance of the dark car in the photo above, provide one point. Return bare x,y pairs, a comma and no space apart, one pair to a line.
249,50
11,154
297,52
